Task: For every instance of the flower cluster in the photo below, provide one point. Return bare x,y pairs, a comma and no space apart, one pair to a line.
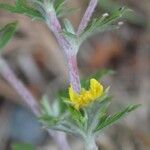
85,97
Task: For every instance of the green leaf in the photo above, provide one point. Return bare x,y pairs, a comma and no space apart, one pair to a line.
22,7
59,4
55,108
94,111
22,146
114,17
109,120
62,104
46,108
63,92
6,33
52,113
68,26
131,16
106,22
49,121
70,36
77,116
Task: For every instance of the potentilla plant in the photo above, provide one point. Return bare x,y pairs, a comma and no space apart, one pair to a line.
82,108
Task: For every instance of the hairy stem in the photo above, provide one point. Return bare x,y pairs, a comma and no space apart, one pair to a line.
87,16
90,143
73,72
69,50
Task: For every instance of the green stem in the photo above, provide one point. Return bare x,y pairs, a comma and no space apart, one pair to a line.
90,144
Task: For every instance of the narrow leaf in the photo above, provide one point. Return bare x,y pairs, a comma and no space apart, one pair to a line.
68,26
95,110
109,120
6,33
22,7
77,116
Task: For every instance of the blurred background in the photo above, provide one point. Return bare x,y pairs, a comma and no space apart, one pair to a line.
37,60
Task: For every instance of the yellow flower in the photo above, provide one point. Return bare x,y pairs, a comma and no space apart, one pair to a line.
85,97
